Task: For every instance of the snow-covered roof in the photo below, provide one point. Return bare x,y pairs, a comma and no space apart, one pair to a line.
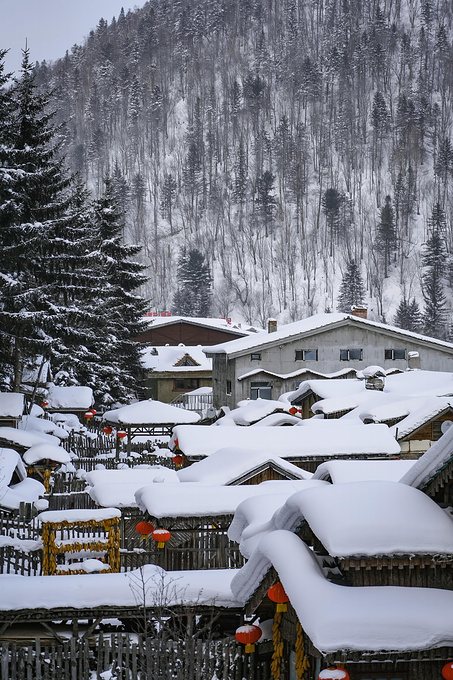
27,491
435,458
277,420
253,517
46,451
166,359
25,438
422,412
78,515
11,404
311,438
234,327
252,410
370,518
336,617
202,500
117,488
89,591
74,397
311,325
229,464
328,389
35,424
343,471
150,412
299,373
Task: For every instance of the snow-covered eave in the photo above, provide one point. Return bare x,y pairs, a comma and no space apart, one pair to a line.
156,322
169,372
272,341
402,433
147,425
288,471
295,374
339,618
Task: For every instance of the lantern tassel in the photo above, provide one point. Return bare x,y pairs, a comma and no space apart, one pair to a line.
282,607
249,649
160,544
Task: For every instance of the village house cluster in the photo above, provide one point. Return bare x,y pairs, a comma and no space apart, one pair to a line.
278,507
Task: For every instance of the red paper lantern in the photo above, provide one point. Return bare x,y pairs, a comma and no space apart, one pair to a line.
145,529
277,594
176,443
447,671
161,536
247,635
178,460
121,434
93,411
333,673
88,415
107,429
293,410
44,404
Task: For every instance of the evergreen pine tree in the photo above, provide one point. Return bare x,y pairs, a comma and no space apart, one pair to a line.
408,315
352,291
386,233
32,223
116,375
434,268
194,292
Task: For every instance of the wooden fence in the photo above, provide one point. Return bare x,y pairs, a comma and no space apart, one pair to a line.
130,657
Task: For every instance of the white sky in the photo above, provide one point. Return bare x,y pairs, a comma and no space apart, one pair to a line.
52,26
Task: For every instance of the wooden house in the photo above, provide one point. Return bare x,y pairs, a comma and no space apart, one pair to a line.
326,546
173,371
173,330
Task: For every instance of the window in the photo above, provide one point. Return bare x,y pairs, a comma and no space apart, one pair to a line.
185,384
260,390
394,354
255,356
228,386
306,355
351,354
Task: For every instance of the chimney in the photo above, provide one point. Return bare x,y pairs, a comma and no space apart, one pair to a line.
359,311
271,325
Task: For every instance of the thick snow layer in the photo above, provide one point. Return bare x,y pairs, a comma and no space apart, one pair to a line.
117,488
150,412
374,618
10,461
161,588
427,410
198,500
370,518
254,517
27,491
164,359
431,461
32,423
39,452
342,471
328,389
26,438
75,397
252,410
312,323
11,404
311,439
228,464
277,420
23,545
81,515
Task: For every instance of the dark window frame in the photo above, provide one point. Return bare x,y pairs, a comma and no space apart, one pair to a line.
345,354
389,354
185,389
255,356
301,355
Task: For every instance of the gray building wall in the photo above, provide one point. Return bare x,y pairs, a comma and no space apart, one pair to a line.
281,359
